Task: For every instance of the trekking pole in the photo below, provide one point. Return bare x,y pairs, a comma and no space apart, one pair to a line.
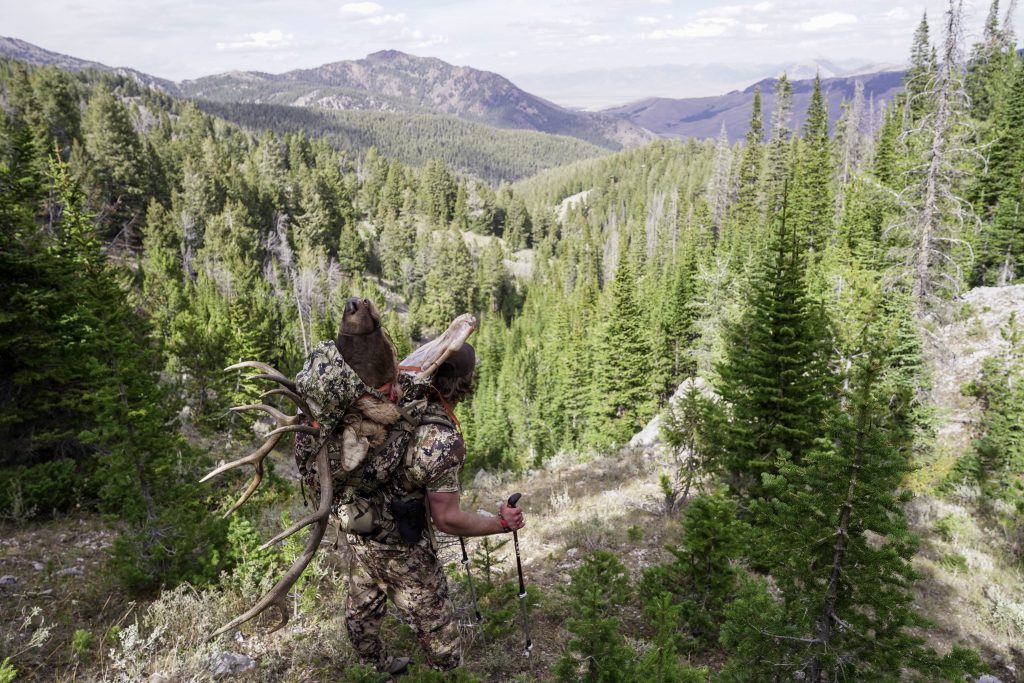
469,577
512,500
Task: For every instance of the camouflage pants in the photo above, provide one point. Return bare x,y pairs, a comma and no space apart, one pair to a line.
413,580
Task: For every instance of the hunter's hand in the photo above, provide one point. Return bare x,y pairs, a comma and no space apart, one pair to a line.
512,516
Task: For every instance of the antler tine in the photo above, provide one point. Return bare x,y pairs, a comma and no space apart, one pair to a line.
305,429
290,395
269,372
259,365
252,459
276,377
276,596
256,460
279,417
305,521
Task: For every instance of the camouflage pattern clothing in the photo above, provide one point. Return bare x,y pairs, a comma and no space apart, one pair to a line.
410,576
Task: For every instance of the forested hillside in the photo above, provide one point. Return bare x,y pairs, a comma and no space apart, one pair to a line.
415,139
797,292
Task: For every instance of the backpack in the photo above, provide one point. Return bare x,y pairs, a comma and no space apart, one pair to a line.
361,495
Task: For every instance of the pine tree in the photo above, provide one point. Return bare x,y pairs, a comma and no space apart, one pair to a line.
813,194
835,584
778,162
702,578
998,458
775,374
747,211
449,283
621,396
115,174
987,66
919,76
1000,247
939,144
599,587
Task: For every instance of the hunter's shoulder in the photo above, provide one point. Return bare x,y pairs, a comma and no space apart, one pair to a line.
438,454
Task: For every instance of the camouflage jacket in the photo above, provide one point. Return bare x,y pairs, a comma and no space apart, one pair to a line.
433,462
404,468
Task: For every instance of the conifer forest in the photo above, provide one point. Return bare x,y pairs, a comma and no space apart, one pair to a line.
764,399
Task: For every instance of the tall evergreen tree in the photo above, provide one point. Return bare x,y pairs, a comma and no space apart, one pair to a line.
115,174
835,539
813,194
747,211
775,375
621,396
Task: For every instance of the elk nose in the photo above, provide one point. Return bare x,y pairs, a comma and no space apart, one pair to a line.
352,305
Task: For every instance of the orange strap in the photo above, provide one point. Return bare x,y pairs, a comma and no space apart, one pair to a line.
447,408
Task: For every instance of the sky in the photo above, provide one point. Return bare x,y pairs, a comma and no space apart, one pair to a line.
181,39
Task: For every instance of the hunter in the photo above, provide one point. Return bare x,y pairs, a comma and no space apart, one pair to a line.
402,563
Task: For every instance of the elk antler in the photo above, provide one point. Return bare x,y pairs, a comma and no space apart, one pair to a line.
318,522
269,371
285,423
291,395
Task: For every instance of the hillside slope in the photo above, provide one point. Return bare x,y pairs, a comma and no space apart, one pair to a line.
612,502
33,54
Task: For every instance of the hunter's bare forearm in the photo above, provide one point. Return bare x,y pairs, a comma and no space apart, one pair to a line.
451,519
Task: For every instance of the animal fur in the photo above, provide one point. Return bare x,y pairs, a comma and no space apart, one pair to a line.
371,353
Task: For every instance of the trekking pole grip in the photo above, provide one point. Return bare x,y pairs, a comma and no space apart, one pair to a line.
513,499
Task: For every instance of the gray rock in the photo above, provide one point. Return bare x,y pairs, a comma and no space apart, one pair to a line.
986,678
71,571
9,580
228,663
38,566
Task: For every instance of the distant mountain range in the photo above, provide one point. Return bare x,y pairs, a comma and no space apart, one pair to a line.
596,89
392,81
702,117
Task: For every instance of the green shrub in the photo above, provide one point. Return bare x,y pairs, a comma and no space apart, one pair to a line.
81,642
597,652
46,488
701,578
7,671
950,527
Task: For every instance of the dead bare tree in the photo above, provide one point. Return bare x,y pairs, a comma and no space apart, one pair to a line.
935,216
720,185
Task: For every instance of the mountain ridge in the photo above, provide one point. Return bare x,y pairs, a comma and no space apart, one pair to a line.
703,117
391,80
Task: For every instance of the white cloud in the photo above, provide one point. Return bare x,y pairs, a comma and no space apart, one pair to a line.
735,10
700,28
361,9
823,22
897,13
661,2
599,39
755,28
387,19
261,40
417,39
648,21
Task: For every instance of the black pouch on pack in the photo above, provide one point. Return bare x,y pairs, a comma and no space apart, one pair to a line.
411,518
